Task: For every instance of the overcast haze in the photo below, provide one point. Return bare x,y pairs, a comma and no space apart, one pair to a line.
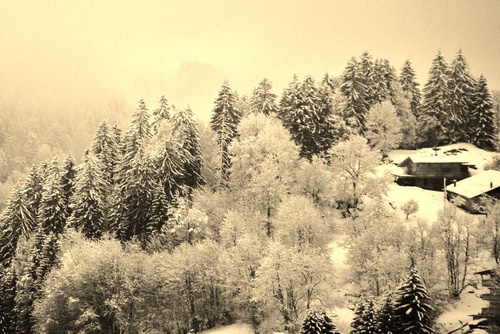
62,52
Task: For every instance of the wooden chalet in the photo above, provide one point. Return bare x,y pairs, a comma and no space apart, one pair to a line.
428,171
473,189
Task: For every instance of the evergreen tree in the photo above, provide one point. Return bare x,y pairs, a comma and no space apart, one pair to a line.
89,199
367,71
25,294
318,323
106,148
409,86
33,188
263,100
68,180
390,78
7,299
305,114
161,114
483,127
434,120
411,306
138,135
185,132
224,122
461,87
133,199
385,317
365,320
52,213
355,93
15,221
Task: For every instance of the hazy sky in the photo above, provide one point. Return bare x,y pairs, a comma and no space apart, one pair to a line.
72,51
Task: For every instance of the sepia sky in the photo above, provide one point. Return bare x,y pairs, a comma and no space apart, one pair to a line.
68,51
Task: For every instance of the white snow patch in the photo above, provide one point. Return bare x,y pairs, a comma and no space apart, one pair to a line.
238,328
461,311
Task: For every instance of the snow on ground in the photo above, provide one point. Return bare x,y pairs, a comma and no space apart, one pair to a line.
239,328
429,201
461,311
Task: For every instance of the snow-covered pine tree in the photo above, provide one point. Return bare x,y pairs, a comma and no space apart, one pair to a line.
89,200
461,86
385,317
483,126
263,100
52,213
68,174
365,319
355,93
367,72
7,300
409,86
308,119
105,147
33,188
318,322
434,120
138,135
224,122
161,114
390,78
411,306
15,221
185,133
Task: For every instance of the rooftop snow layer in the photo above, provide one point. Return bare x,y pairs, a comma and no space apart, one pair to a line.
476,185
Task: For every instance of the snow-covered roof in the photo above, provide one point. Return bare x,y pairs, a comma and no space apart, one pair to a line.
476,185
436,159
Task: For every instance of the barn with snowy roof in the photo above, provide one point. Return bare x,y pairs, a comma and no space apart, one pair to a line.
429,170
473,189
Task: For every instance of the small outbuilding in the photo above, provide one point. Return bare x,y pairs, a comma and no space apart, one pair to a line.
473,189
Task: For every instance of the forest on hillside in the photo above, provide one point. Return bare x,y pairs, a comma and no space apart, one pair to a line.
170,224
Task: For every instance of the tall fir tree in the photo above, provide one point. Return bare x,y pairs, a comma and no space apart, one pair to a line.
68,175
224,122
33,188
434,120
138,135
461,86
133,199
105,147
483,126
42,256
409,86
161,114
185,132
263,100
15,221
355,93
53,213
367,72
89,214
7,299
305,113
411,306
